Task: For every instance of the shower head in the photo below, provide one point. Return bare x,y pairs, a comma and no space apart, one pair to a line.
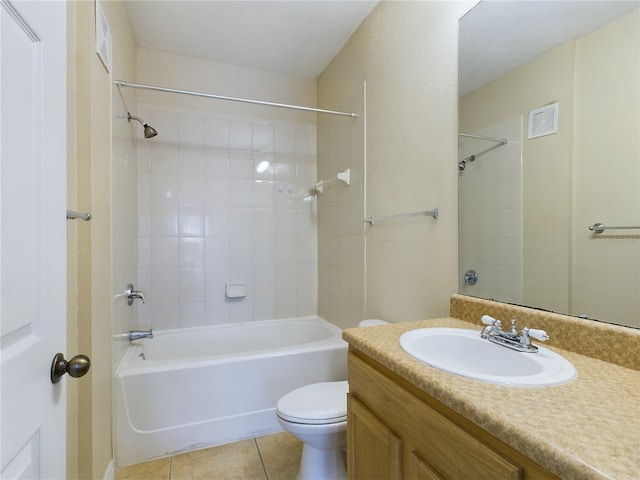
149,131
463,163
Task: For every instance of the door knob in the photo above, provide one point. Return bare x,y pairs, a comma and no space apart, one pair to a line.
76,367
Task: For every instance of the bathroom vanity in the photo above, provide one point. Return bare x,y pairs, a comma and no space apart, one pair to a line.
409,420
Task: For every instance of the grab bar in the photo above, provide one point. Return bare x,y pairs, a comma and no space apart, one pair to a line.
598,228
71,215
435,213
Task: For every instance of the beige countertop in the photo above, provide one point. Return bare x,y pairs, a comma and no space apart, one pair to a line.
586,429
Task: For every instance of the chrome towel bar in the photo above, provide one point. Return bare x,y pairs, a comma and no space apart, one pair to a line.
435,213
71,215
598,228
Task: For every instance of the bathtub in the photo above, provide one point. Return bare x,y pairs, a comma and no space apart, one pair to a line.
192,388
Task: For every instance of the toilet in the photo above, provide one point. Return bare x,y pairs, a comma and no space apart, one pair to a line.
317,415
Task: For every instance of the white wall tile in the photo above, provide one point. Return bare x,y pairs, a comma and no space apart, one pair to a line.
215,280
263,137
240,251
217,192
286,250
264,250
164,189
286,304
240,309
240,222
144,189
263,194
192,282
216,251
216,310
216,132
144,252
164,221
264,279
144,220
216,204
191,191
192,251
191,160
264,221
165,313
190,130
263,166
264,307
216,162
191,221
240,193
192,312
285,139
240,135
240,164
164,252
165,284
216,222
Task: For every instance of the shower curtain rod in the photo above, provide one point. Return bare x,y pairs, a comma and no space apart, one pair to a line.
122,83
501,141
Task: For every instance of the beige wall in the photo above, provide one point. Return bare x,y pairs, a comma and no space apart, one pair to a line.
90,244
165,69
565,186
606,185
407,54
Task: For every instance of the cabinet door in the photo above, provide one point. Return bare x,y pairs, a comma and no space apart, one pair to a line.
419,469
373,450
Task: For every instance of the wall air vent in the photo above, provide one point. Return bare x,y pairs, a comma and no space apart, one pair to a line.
543,121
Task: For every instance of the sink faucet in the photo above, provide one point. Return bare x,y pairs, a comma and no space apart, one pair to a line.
140,334
511,339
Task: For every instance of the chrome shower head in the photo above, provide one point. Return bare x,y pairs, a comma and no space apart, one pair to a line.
149,131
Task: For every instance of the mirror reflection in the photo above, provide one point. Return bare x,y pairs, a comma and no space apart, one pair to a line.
550,112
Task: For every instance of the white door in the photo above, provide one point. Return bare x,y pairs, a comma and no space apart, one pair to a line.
32,237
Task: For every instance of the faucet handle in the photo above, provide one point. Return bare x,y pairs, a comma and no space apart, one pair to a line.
487,320
538,334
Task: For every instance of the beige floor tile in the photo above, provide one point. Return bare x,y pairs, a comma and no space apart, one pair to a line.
153,470
281,455
235,461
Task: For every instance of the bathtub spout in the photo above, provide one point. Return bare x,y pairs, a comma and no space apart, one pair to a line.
139,334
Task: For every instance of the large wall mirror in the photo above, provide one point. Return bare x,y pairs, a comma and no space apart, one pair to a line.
550,146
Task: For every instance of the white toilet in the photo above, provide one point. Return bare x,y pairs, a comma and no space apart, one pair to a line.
317,415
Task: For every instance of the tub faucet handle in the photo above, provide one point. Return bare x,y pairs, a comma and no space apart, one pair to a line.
133,294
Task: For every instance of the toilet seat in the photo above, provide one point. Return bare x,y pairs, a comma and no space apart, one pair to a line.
316,404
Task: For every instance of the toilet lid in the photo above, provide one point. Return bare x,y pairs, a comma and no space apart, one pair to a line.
315,404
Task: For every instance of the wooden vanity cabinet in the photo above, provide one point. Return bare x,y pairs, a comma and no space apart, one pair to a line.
396,431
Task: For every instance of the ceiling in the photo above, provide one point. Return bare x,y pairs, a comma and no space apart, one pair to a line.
297,37
497,36
301,37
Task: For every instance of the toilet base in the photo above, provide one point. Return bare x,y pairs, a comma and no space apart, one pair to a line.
317,464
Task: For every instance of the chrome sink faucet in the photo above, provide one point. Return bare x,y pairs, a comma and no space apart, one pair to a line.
511,339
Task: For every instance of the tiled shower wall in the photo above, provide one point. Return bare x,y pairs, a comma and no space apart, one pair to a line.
224,199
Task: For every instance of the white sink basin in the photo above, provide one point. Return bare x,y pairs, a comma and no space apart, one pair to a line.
463,352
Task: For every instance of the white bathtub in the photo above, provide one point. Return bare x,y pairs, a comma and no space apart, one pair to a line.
192,388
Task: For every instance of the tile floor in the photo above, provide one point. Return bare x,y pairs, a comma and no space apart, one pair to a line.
272,457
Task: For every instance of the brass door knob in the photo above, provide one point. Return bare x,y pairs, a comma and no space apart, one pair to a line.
76,367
